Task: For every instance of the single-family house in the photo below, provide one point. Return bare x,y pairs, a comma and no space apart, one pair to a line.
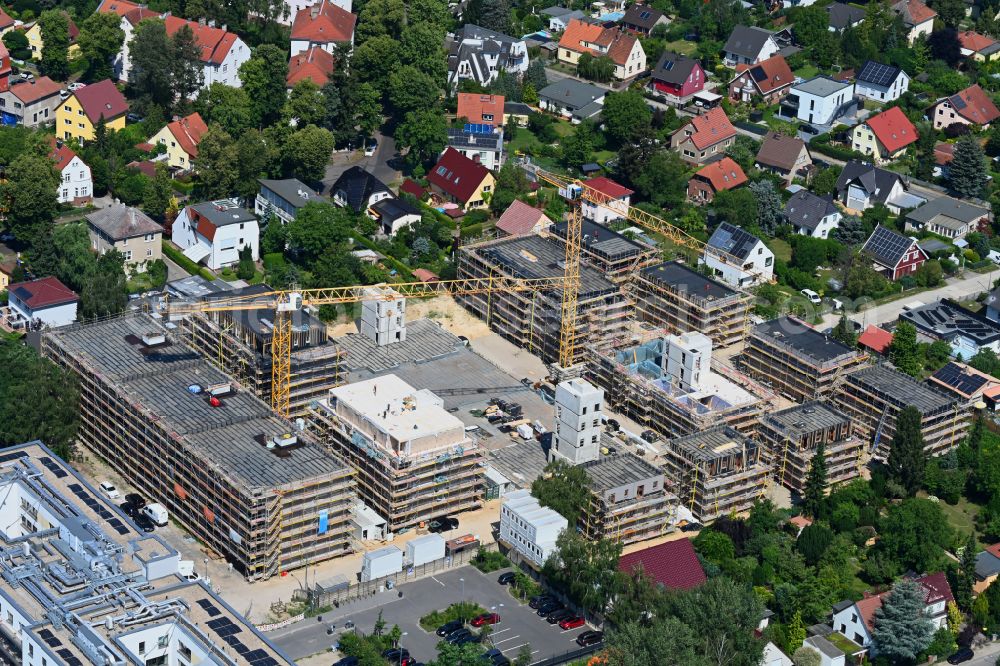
672,565
769,81
773,656
76,184
881,83
725,174
324,24
861,186
77,117
480,109
963,381
180,139
875,340
812,215
460,180
918,18
748,45
829,653
128,230
844,15
215,232
480,143
519,111
479,55
521,219
820,100
621,47
948,217
222,52
30,103
393,214
856,619
641,19
738,257
987,561
559,17
978,47
358,189
572,99
293,7
315,64
130,15
704,137
893,254
283,199
616,199
45,302
884,136
6,22
785,156
677,78
972,106
37,44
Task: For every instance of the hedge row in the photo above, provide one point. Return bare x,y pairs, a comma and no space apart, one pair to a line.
178,258
400,267
835,152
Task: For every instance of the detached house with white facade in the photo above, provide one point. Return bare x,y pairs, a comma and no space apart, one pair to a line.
738,257
820,100
325,25
748,45
131,14
618,199
622,48
76,186
528,528
214,233
812,215
881,83
479,55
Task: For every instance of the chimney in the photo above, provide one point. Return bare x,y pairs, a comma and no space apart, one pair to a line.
59,143
314,11
201,21
211,23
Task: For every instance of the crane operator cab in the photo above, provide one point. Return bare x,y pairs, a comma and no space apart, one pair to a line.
571,191
290,302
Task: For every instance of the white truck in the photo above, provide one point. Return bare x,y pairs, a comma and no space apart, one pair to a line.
157,513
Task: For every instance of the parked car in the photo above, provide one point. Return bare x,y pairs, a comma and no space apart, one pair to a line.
812,296
692,527
590,638
506,578
809,129
572,622
370,147
492,655
458,635
396,653
549,607
539,599
964,654
559,615
129,509
76,86
135,500
470,638
109,490
143,523
485,618
347,661
408,661
449,627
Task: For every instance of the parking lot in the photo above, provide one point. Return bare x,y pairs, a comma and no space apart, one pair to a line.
519,625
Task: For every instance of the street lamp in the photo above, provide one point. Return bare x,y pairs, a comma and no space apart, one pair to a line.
205,560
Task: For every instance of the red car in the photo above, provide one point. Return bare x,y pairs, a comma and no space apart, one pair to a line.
572,622
485,618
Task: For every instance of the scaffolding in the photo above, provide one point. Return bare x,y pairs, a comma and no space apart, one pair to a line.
628,501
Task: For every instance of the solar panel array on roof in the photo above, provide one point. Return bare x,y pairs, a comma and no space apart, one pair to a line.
669,65
227,630
209,607
878,74
758,74
478,128
958,102
98,508
644,15
69,658
49,638
53,467
957,378
12,456
888,245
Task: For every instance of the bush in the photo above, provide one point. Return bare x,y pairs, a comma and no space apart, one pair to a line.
488,561
178,258
464,610
523,587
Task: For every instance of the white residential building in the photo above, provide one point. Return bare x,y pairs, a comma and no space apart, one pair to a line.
529,528
812,215
214,233
619,198
820,100
688,359
383,316
76,186
577,436
480,55
881,83
738,257
45,301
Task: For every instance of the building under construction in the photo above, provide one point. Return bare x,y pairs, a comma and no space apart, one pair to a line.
792,435
796,360
239,342
873,398
531,320
677,298
671,385
615,255
414,460
628,501
241,480
717,472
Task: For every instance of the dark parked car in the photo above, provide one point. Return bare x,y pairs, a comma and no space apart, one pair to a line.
506,578
442,524
964,654
347,661
590,638
692,527
455,636
539,599
135,500
449,627
549,607
396,654
129,509
144,523
809,129
470,638
558,616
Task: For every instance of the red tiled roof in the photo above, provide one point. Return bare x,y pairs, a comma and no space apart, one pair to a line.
893,129
672,564
723,175
936,589
457,175
322,23
140,14
203,225
520,218
914,12
214,42
619,44
101,99
424,275
710,128
800,521
412,187
875,338
472,106
608,187
776,74
61,154
147,167
43,293
994,549
314,64
188,132
974,105
973,41
5,20
35,90
944,153
120,7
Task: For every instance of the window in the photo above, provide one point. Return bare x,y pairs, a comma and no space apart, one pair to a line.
66,178
65,193
184,650
149,238
149,252
127,254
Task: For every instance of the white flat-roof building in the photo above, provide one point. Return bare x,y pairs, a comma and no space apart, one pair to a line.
529,528
578,421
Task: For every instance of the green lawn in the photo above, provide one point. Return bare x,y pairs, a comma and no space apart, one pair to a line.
960,516
682,46
782,250
807,71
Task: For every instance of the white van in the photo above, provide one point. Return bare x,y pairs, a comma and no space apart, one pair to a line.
157,513
812,296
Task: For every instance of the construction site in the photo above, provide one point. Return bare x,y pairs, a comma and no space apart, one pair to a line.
793,435
251,486
873,398
796,360
610,252
672,385
674,297
717,472
628,501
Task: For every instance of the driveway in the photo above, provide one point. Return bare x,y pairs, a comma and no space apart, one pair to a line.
378,164
519,625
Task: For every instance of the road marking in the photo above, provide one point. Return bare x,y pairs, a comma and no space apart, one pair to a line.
500,631
438,582
507,639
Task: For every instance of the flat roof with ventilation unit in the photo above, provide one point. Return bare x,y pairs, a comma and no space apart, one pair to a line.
806,418
947,319
707,445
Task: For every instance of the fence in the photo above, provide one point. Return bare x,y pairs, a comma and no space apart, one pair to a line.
568,656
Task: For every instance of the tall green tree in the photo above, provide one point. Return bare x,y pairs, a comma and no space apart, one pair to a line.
150,77
263,77
966,574
491,14
664,641
563,488
100,40
914,535
226,106
308,151
967,172
217,163
586,571
30,190
367,109
907,458
55,39
625,113
732,642
904,352
424,134
104,293
844,331
158,193
306,105
902,630
411,90
316,229
770,209
38,400
186,71
814,493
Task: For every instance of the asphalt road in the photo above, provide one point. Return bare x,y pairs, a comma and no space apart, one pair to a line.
519,625
379,164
